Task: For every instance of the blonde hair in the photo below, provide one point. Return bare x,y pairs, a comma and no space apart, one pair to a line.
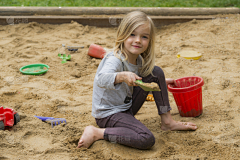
128,25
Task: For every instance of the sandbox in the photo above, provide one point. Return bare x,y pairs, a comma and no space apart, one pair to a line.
65,91
107,16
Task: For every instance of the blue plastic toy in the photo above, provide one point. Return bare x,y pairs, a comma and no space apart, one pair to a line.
57,121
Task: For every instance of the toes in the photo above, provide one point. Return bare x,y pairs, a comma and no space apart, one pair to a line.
189,125
80,143
192,124
193,127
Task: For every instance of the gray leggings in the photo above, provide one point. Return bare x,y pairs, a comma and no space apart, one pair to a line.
124,128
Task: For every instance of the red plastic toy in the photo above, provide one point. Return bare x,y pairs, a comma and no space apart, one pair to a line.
188,95
96,51
8,117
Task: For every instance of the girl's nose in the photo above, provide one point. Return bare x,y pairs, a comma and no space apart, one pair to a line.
138,39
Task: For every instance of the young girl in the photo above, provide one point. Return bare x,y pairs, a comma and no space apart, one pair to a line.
116,98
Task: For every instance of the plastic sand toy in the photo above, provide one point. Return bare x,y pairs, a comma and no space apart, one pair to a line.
189,55
34,69
147,86
150,98
55,121
188,95
8,117
96,51
64,58
72,48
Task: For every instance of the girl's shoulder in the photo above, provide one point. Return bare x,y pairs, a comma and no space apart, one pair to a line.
112,56
111,59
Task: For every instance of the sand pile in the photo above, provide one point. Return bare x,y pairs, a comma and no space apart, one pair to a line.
65,91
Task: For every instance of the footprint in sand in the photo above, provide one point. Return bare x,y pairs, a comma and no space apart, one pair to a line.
8,91
227,138
38,142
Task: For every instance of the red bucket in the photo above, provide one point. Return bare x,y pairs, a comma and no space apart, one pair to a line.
96,51
188,95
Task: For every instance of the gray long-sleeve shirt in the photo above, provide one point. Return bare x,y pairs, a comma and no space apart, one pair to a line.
109,98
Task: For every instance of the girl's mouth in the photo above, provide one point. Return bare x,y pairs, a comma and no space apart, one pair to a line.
136,46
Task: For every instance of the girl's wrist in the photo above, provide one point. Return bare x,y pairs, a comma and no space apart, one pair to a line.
119,78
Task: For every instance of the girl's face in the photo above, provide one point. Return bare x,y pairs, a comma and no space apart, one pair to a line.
138,41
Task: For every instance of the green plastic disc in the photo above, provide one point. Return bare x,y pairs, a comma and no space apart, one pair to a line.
34,69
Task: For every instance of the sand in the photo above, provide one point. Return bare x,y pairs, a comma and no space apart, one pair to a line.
65,91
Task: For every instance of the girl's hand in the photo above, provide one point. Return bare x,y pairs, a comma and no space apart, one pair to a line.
128,77
171,81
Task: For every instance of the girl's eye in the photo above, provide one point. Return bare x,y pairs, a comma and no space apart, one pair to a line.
132,35
145,37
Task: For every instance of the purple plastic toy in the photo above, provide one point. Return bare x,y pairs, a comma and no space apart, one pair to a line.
57,121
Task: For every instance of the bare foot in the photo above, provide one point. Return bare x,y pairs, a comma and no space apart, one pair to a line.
90,135
178,126
169,124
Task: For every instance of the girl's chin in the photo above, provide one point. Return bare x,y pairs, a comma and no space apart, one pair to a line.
135,53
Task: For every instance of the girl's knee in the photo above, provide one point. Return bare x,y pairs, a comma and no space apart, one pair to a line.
148,142
157,71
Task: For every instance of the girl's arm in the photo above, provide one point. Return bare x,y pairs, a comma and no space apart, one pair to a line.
171,81
128,77
110,74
